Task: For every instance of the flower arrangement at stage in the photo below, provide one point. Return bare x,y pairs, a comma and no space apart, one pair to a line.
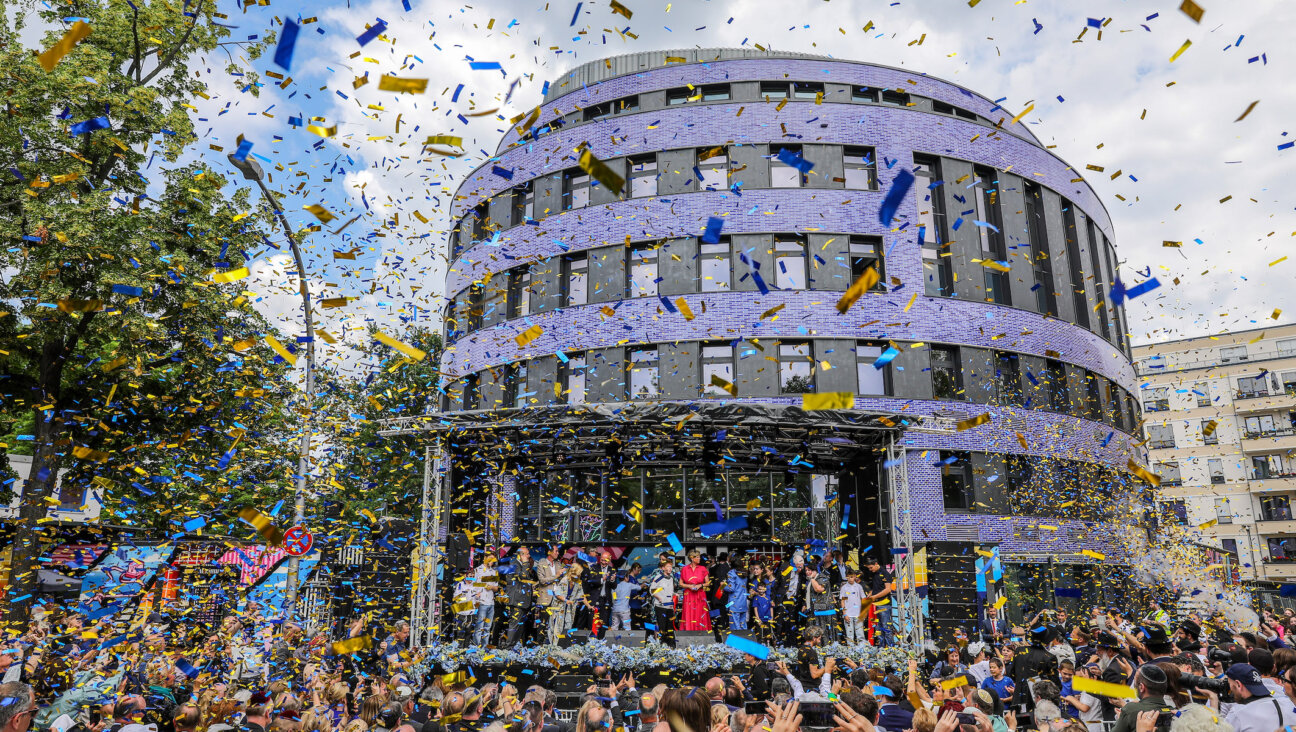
448,657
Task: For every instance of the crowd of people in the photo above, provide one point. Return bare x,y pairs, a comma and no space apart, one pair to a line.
256,671
514,600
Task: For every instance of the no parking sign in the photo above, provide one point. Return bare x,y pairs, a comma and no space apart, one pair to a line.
298,541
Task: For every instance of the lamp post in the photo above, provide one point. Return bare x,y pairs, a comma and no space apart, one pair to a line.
251,170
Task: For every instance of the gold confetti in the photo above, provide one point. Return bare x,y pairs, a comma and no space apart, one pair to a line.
828,400
866,282
1152,478
279,349
976,421
1093,554
263,524
620,9
451,140
1278,260
334,302
1182,48
72,305
528,335
352,645
234,275
717,380
321,213
772,311
1208,429
408,350
684,309
403,86
1026,111
77,33
1276,313
1192,10
1250,107
599,170
88,454
322,131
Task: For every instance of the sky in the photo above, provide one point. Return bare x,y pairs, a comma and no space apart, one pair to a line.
1177,164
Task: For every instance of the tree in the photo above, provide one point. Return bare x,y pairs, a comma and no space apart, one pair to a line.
369,471
140,373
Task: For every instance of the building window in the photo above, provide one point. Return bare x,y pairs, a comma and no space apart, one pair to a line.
1259,426
860,164
1289,383
774,89
1175,512
946,373
515,380
1275,508
1202,392
575,191
475,309
715,93
575,279
643,379
571,378
864,94
986,196
713,167
641,271
795,368
1233,354
1156,399
1210,432
1093,402
1169,472
1008,378
1287,347
1252,386
785,176
597,111
1160,436
519,291
716,265
938,270
627,104
1280,549
643,175
680,95
789,263
471,392
1215,466
1046,292
956,482
870,380
1075,265
717,362
895,97
1059,392
810,90
865,254
523,204
1100,291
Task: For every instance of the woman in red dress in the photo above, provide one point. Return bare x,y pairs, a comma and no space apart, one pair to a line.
693,578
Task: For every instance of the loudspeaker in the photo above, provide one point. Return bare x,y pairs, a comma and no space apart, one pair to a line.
628,638
574,638
694,638
458,552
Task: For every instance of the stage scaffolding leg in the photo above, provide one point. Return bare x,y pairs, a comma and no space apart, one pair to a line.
911,633
423,615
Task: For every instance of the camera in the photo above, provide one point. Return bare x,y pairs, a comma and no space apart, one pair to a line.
1205,683
1164,718
1219,655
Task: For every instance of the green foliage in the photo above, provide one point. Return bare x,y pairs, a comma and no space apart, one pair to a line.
124,388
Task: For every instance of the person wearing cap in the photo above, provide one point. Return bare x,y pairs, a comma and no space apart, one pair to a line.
1254,708
1113,668
979,653
1151,683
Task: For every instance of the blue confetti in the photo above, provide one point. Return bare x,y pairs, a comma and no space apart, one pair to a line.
887,357
899,189
502,172
484,65
576,14
287,41
1095,22
128,290
674,542
746,645
90,125
377,29
1120,294
714,226
244,148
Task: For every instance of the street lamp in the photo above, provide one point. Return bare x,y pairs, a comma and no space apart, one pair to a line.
251,170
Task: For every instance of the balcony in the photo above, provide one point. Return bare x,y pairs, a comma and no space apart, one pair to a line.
1260,401
1279,569
1267,526
1272,483
1277,440
1156,405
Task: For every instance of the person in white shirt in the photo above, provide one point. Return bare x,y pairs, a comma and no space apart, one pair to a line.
1255,709
485,583
852,604
465,608
661,588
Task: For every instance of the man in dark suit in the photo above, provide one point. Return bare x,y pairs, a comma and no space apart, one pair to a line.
600,582
717,597
520,595
1035,661
994,628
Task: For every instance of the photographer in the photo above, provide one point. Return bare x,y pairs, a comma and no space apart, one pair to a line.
1254,708
1151,683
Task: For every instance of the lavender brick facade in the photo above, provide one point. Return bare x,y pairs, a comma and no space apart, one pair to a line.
897,134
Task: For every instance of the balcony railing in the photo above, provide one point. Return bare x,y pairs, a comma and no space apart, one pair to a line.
1280,515
1161,444
1266,475
1157,405
1277,432
1289,389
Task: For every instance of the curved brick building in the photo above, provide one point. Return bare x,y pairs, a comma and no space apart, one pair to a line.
612,377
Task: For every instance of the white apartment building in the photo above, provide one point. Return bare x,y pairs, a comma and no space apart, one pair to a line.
1240,471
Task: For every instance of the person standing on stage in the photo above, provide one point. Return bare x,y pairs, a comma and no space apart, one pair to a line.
737,603
521,597
600,585
880,585
661,588
568,594
760,586
694,578
789,599
485,582
819,600
548,571
718,595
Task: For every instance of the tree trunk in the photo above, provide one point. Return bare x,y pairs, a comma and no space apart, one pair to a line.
26,548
